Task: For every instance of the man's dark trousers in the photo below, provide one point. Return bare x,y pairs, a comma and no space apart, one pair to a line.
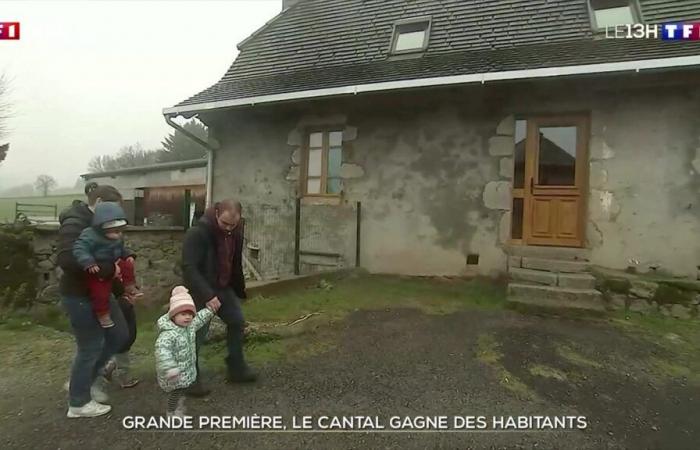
232,315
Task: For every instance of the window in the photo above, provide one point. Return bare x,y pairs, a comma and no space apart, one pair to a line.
609,13
410,36
324,157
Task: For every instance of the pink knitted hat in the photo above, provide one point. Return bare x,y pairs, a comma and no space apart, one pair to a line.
180,301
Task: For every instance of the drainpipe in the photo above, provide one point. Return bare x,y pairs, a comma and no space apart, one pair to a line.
207,147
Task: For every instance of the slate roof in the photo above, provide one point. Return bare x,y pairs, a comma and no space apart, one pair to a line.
333,43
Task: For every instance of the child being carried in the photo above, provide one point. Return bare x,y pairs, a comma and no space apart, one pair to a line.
102,243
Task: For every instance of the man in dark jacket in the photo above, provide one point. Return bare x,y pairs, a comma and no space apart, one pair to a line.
212,268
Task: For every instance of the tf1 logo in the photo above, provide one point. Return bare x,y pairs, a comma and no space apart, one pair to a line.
9,31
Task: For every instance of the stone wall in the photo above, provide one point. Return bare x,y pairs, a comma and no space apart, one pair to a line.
158,253
649,294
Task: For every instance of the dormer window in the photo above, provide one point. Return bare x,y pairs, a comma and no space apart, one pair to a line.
610,13
411,35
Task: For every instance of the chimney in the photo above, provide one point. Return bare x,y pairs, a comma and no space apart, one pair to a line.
286,4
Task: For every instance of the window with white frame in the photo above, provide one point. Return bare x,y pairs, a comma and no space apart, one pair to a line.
609,13
411,35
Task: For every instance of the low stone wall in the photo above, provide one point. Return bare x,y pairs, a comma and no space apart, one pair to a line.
643,294
158,251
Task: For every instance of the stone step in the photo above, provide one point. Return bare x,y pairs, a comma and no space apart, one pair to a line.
554,265
533,276
546,252
556,298
576,280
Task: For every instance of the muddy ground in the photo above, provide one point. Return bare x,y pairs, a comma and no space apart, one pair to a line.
633,388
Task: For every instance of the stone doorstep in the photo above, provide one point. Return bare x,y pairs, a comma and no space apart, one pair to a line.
556,297
533,276
544,252
577,280
555,265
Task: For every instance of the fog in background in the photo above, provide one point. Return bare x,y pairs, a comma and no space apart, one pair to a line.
89,77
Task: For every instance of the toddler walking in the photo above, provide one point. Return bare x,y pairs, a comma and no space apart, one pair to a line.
176,356
103,243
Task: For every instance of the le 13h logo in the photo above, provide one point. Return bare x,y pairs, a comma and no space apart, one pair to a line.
9,31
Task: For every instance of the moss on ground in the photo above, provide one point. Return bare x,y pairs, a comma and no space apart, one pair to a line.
542,370
576,358
488,351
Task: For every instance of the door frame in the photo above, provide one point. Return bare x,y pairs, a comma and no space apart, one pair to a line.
580,190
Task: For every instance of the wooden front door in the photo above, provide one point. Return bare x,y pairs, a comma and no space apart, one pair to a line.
556,155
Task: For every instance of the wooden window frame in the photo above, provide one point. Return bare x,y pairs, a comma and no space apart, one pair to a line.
325,149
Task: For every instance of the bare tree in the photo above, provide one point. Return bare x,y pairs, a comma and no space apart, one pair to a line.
44,183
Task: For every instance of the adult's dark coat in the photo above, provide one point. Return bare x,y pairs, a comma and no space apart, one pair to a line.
200,263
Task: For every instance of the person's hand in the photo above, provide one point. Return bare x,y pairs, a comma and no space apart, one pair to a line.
93,269
105,321
172,374
214,304
117,272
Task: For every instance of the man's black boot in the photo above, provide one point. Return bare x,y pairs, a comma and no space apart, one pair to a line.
245,375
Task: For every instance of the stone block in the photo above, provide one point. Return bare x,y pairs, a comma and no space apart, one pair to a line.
294,137
551,297
504,228
555,265
640,306
680,312
497,195
296,156
349,133
506,127
577,280
642,289
598,176
501,146
600,149
515,261
506,168
348,170
617,302
533,276
293,174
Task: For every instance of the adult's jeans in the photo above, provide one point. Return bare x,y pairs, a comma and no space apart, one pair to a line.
232,315
96,345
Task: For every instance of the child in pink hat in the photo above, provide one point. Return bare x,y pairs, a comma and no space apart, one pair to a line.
176,356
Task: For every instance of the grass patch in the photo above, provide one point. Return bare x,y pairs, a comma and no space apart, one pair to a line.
334,297
576,358
488,351
374,292
541,370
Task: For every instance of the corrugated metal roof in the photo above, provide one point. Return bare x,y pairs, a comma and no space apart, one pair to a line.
175,165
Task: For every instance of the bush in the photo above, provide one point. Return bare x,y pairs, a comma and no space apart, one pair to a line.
17,275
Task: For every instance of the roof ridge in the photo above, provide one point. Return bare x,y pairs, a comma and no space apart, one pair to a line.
267,25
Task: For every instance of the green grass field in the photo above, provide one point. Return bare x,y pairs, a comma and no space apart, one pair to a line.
7,205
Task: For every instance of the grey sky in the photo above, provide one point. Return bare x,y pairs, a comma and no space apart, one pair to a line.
88,77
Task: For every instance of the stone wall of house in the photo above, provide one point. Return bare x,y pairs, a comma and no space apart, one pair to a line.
431,174
158,253
433,171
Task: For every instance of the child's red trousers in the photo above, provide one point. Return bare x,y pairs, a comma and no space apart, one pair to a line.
100,289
